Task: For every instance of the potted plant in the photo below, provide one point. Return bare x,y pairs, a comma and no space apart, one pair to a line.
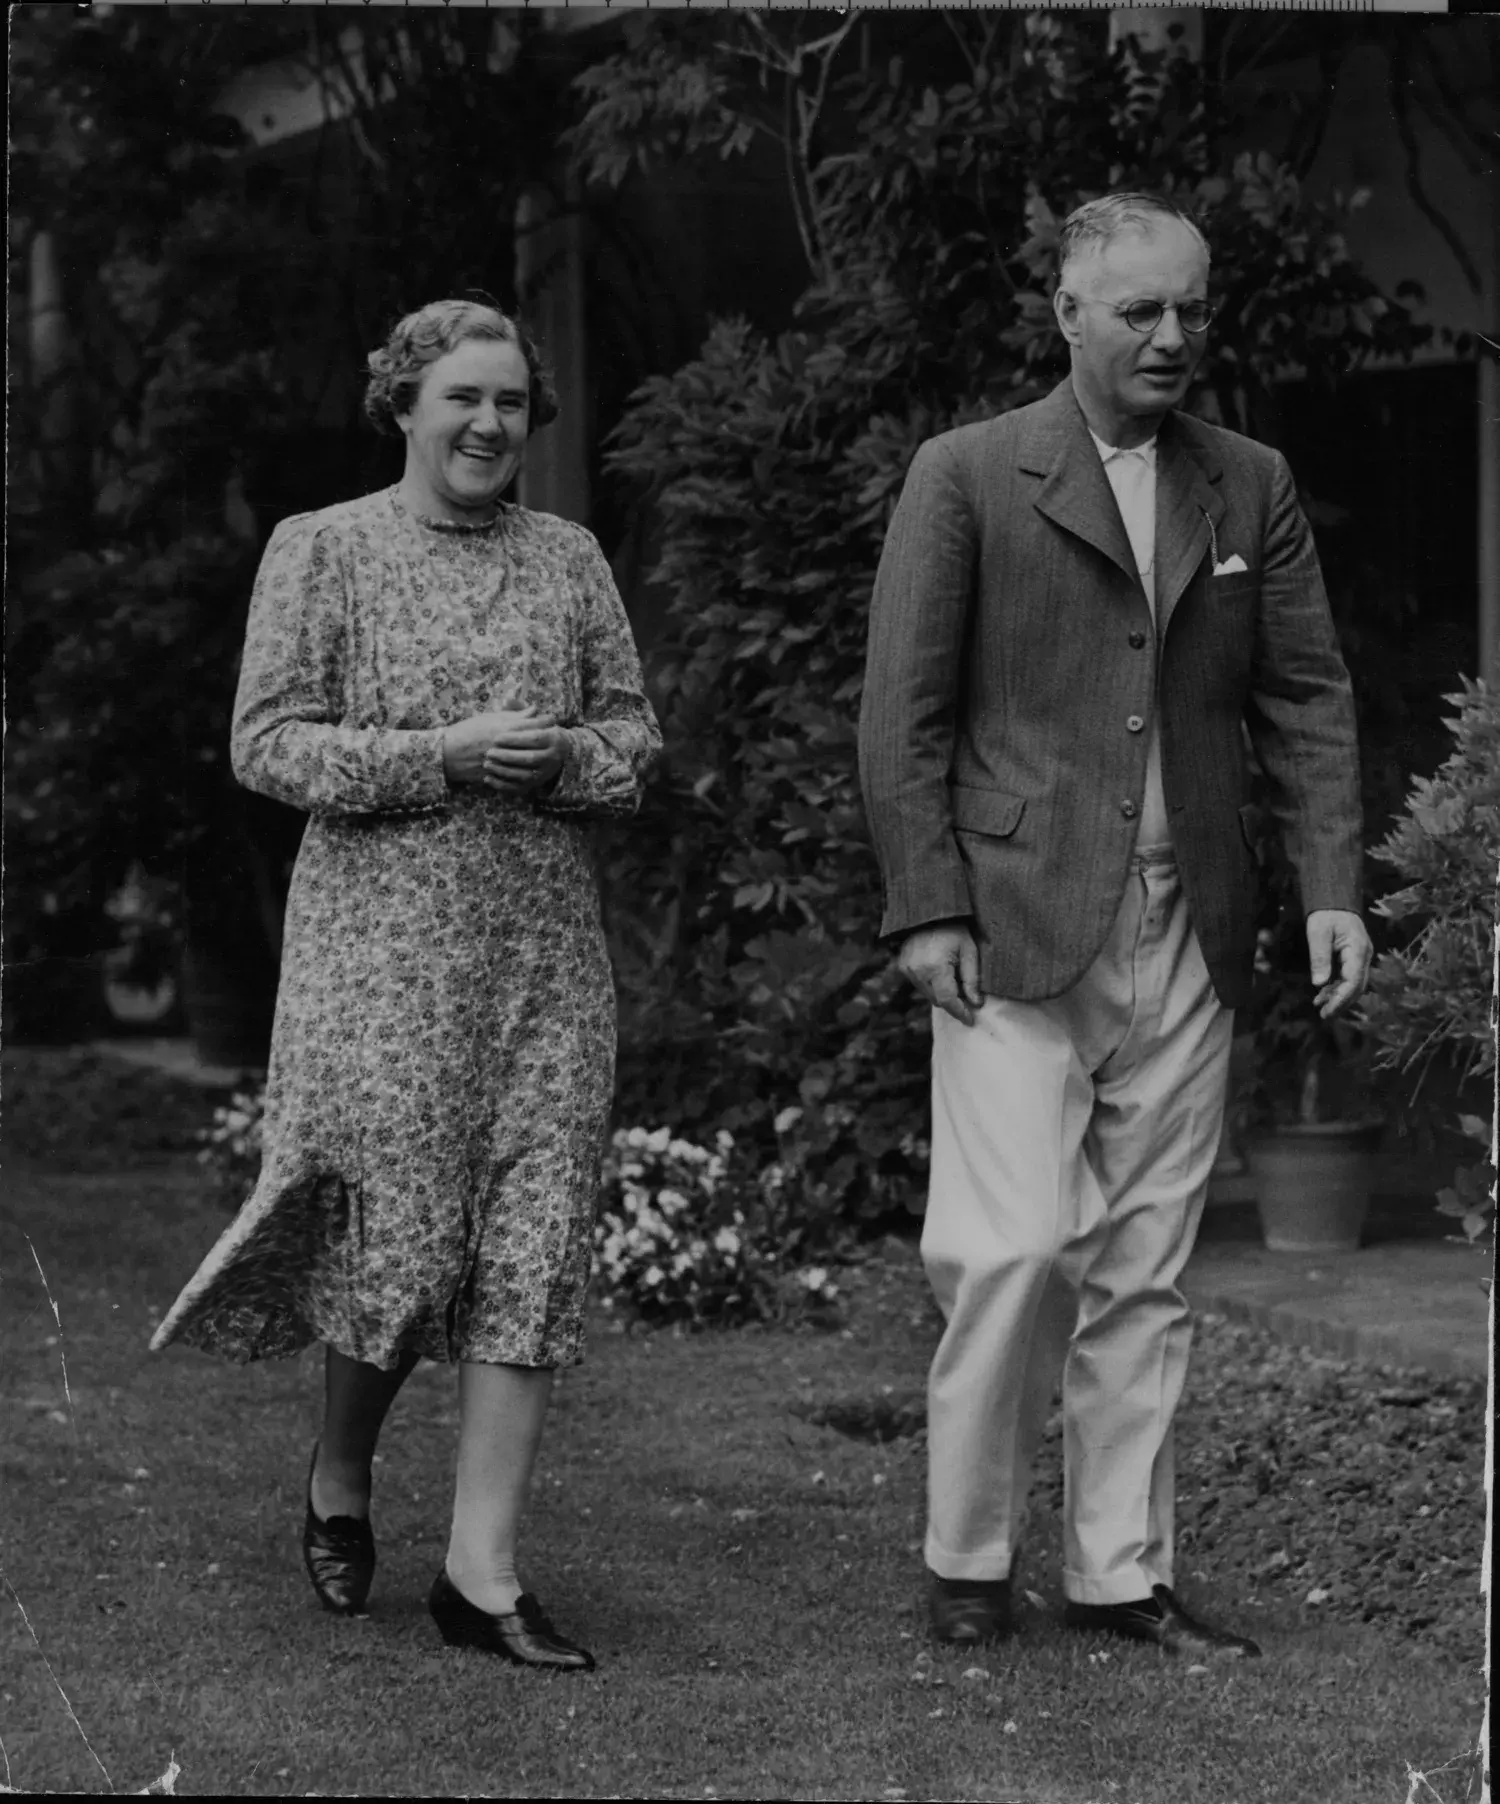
1313,1123
1311,1117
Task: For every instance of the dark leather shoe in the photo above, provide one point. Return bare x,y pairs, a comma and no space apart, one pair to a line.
1160,1618
968,1612
524,1637
339,1555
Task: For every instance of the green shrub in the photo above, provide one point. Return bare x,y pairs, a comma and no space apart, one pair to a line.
1434,996
1437,991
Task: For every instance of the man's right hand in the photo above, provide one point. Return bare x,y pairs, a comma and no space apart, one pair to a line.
943,963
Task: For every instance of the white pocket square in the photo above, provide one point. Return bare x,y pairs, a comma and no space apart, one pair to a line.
1231,566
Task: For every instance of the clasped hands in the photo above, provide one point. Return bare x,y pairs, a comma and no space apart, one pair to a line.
942,961
513,751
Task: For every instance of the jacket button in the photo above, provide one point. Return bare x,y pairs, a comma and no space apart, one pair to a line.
1134,724
1137,640
1129,810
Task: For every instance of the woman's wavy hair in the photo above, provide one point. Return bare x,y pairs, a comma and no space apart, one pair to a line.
433,331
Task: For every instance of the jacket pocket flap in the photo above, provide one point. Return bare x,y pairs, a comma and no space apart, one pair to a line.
987,811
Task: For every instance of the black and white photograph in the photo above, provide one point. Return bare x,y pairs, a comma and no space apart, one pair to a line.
751,901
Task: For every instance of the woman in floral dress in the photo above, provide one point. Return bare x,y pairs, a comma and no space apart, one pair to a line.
447,683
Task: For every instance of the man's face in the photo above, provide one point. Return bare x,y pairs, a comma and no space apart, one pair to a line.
1125,373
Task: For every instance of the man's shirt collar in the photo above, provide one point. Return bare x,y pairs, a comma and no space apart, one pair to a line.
1107,452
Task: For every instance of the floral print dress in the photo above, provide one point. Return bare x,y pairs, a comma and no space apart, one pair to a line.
443,1053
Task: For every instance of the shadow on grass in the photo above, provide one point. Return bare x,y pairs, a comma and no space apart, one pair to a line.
873,1419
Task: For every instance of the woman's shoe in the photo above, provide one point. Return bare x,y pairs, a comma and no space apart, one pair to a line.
524,1637
339,1555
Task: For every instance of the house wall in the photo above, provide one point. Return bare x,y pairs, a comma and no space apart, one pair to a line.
1390,236
1419,458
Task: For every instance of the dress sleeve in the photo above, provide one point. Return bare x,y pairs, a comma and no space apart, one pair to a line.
288,740
610,750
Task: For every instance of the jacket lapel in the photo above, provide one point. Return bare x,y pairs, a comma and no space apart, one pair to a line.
1075,493
1189,507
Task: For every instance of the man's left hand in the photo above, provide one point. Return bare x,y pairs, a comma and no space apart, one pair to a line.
1337,943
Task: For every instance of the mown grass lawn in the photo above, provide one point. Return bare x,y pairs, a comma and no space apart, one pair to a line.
748,1575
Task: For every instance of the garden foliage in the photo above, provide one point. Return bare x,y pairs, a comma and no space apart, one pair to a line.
131,546
212,309
1437,991
694,1234
1433,995
745,902
230,1147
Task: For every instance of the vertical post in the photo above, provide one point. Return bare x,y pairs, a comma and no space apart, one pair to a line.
550,284
48,322
1489,463
50,376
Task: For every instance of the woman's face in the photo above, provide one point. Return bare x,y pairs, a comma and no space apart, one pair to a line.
466,429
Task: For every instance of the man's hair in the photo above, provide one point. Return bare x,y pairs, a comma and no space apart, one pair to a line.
1097,222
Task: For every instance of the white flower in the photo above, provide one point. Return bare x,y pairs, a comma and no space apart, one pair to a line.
787,1120
652,1276
727,1241
814,1277
659,1141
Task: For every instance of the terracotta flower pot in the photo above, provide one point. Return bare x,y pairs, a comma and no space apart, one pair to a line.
1312,1184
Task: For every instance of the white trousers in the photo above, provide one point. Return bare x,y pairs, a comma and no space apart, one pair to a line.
1072,1141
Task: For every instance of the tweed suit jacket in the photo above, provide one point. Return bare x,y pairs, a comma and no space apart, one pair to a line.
1013,669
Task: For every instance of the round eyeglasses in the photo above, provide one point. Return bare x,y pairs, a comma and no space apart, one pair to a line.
1146,316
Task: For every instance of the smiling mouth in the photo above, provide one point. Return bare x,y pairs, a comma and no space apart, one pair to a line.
480,456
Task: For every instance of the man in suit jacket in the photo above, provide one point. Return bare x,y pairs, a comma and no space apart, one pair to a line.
1079,607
